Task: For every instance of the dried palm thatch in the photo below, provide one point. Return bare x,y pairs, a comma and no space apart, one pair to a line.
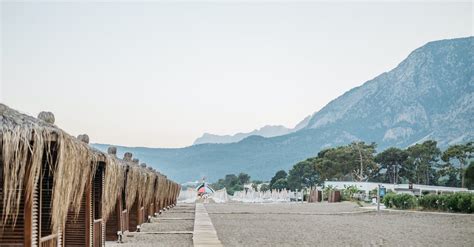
161,188
176,189
143,181
114,183
150,187
25,142
133,182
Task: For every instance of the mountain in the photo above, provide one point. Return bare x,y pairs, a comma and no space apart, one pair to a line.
429,95
266,131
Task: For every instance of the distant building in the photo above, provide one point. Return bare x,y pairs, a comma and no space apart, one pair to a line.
416,189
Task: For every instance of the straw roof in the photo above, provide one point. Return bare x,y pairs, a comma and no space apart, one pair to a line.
26,141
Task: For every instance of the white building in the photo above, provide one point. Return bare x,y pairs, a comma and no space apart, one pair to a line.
417,189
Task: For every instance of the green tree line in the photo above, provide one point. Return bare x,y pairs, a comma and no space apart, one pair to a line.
422,163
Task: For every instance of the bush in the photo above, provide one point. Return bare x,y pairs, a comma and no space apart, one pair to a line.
462,202
429,202
404,201
348,192
400,201
443,202
388,200
458,202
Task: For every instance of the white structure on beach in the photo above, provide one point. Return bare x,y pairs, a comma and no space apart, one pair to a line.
267,196
220,196
187,196
416,189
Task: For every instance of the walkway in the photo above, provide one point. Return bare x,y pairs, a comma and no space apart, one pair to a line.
204,232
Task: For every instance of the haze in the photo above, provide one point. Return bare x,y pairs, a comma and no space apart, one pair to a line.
161,74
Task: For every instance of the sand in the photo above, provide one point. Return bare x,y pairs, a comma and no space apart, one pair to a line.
315,224
335,224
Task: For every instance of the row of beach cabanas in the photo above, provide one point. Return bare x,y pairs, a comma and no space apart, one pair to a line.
56,190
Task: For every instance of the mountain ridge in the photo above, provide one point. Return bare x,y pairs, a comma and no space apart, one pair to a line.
265,131
428,95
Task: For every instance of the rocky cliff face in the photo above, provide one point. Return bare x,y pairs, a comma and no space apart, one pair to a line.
428,95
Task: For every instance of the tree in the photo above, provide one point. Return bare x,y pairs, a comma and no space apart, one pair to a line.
280,184
333,163
450,175
363,155
255,187
279,174
469,176
244,178
303,174
462,153
220,184
392,160
421,161
264,187
230,180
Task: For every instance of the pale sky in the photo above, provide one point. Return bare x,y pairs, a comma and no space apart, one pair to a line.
160,74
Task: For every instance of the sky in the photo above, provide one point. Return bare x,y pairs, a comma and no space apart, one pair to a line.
160,74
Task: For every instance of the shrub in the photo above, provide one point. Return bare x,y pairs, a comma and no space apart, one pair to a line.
429,202
443,202
457,202
388,200
348,192
400,201
462,202
405,201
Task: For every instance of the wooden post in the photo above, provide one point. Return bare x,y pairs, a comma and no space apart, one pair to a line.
378,198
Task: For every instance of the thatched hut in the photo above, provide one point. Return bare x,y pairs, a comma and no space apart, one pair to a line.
39,171
87,228
117,217
55,189
132,193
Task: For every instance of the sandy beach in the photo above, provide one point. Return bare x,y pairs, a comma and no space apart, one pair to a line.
337,224
305,224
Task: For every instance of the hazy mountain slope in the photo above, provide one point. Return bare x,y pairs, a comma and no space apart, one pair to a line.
266,131
428,95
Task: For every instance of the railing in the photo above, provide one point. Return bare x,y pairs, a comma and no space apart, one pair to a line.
49,241
97,233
